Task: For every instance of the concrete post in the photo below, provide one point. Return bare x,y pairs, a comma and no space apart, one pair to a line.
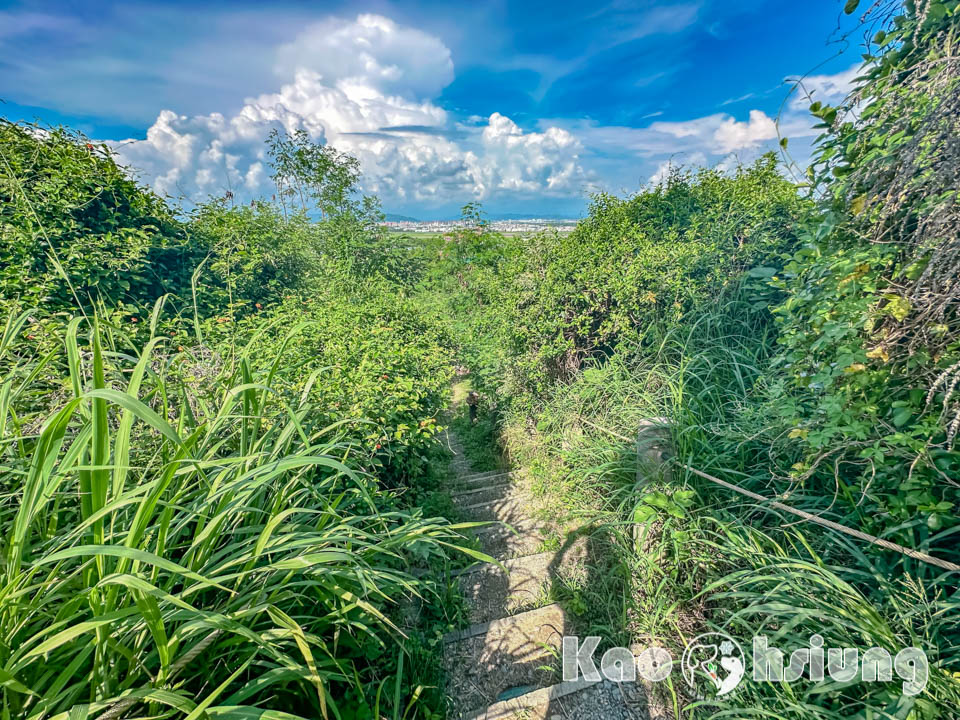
654,450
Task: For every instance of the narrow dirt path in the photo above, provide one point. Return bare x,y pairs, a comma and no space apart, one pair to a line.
506,664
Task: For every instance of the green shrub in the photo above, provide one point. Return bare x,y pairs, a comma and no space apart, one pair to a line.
870,328
75,229
366,358
252,254
654,259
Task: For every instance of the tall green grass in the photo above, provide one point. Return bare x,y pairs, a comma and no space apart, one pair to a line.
175,553
718,560
781,585
789,580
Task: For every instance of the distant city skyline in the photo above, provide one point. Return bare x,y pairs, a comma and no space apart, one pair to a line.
489,217
530,225
526,107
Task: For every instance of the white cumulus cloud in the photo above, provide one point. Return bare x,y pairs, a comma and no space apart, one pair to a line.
721,133
733,135
720,140
365,86
368,86
372,50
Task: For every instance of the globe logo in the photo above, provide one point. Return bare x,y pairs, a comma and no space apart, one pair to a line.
713,664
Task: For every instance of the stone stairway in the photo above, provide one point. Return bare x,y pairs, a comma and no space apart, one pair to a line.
506,664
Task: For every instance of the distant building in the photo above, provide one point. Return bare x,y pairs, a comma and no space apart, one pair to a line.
512,226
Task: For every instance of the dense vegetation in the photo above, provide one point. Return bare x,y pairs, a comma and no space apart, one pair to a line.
216,431
219,427
801,342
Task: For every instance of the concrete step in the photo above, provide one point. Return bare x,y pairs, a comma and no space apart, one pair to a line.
482,492
580,699
503,542
522,583
486,474
534,705
520,653
511,508
475,480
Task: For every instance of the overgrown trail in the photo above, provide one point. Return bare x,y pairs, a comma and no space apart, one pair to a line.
506,664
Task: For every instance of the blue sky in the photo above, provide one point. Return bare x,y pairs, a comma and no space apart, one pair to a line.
526,106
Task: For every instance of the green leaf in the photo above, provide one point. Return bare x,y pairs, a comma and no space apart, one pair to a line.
656,499
901,416
643,513
9,681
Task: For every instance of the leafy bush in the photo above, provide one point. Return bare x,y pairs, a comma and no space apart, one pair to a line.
367,359
251,254
654,258
304,169
870,329
75,229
